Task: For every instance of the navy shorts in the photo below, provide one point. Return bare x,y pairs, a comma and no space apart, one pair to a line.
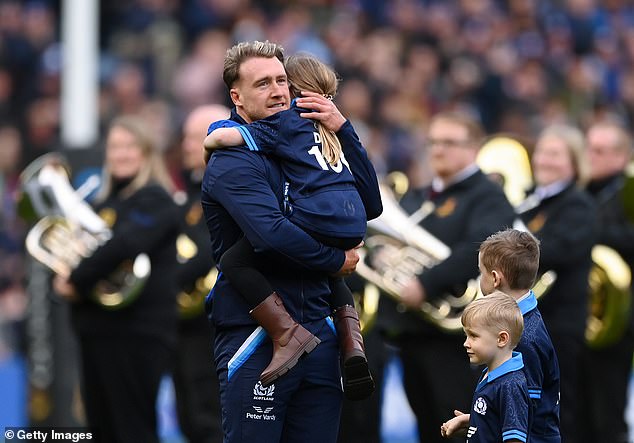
304,405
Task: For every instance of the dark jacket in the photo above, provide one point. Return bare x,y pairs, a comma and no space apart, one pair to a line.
242,192
145,222
465,214
566,226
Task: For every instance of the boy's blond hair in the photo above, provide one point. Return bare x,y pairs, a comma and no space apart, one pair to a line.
496,312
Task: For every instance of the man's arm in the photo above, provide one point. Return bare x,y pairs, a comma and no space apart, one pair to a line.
240,185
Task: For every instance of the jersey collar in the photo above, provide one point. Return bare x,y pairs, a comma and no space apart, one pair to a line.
528,302
515,363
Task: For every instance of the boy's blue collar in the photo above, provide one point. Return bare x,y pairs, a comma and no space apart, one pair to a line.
515,363
528,303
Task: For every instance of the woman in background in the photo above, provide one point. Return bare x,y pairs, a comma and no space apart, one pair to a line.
563,217
125,352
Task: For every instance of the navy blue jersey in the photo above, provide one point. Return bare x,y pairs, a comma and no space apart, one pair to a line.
242,193
500,408
542,373
322,197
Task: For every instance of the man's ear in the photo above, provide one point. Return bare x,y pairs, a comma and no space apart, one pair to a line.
235,96
503,338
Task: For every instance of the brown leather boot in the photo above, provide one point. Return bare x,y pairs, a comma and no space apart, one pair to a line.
290,339
357,380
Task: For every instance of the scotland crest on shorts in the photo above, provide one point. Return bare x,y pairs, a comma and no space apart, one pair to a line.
480,406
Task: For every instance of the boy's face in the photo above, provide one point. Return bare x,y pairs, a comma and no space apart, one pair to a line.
481,345
488,279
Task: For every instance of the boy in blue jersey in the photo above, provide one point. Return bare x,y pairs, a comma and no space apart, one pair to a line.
508,262
500,407
321,198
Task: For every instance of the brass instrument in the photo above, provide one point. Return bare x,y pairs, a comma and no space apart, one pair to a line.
610,298
609,278
68,230
191,301
396,250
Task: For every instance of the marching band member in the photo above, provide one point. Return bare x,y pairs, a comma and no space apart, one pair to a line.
602,410
125,352
562,217
461,208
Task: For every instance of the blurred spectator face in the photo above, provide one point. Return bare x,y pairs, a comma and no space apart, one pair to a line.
11,149
261,89
608,151
194,132
124,155
552,161
450,150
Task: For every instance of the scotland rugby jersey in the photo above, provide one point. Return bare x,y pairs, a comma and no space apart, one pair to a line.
322,197
500,408
542,373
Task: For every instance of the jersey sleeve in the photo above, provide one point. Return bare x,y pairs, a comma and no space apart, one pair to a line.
241,187
362,169
221,124
263,135
514,409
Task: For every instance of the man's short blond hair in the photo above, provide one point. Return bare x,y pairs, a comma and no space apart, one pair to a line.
238,54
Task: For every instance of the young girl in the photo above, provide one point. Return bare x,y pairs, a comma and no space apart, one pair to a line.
320,197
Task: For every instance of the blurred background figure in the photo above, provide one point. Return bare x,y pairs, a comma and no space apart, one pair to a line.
124,352
563,217
194,374
603,399
13,298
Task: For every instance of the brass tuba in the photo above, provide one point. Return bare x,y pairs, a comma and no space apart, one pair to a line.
68,230
396,250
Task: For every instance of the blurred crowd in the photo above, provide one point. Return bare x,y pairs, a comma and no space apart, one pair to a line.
516,65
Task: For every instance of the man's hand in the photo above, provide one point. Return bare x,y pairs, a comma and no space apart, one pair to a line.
65,289
350,264
413,294
456,426
324,110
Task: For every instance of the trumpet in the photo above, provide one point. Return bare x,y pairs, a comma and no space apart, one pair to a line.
68,230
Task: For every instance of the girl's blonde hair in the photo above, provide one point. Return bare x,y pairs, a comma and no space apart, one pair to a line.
307,73
496,312
152,170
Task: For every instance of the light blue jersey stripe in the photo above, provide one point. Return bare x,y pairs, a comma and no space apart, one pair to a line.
248,138
535,393
246,350
331,324
514,434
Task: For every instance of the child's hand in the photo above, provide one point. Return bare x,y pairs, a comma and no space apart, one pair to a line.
456,426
